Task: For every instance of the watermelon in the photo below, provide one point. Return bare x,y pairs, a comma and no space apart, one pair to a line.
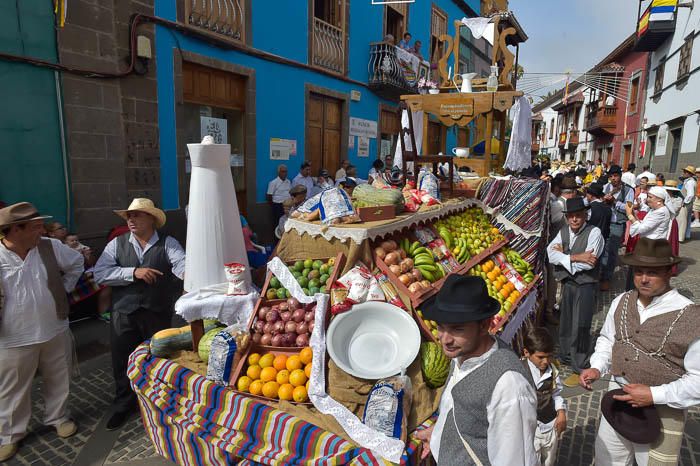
205,344
434,364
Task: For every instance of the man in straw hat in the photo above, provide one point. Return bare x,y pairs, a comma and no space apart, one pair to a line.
575,253
35,275
617,195
650,344
690,185
696,202
145,271
488,409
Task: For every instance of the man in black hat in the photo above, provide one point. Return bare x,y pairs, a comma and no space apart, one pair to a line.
600,213
575,254
650,344
616,194
488,407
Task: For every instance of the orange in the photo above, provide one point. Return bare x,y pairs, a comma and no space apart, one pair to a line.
512,299
307,386
256,387
504,293
253,359
498,285
297,377
306,355
270,389
253,372
491,276
496,271
293,363
280,362
300,395
283,377
285,391
268,374
243,383
307,370
266,360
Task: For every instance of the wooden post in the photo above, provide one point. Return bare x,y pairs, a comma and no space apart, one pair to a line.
487,141
502,138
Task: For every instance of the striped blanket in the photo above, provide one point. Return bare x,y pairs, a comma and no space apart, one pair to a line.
86,287
193,421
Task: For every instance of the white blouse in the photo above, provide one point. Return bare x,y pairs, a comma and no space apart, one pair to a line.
654,225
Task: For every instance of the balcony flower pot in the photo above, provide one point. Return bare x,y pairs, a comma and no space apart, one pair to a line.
434,91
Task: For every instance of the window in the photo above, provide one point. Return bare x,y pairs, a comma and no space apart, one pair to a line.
551,129
659,77
438,27
686,52
675,149
652,146
395,21
634,94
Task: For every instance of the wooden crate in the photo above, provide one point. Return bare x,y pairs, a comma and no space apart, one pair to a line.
376,213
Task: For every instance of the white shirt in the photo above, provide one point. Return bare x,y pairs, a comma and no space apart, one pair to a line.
674,205
511,413
642,202
680,394
304,181
649,176
29,313
540,379
619,205
654,225
279,189
321,187
107,272
340,174
595,244
689,188
629,179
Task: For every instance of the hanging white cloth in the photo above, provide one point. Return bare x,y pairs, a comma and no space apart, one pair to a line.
418,130
519,156
214,233
480,27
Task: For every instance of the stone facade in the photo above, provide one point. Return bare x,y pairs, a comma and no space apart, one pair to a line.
111,124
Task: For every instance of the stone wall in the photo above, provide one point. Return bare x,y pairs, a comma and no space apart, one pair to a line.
111,124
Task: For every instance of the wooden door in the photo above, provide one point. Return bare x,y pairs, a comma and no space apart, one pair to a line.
627,152
436,143
323,134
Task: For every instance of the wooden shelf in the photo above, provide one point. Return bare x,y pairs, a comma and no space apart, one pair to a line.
514,307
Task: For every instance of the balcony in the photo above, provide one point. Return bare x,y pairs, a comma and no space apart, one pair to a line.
388,76
225,18
562,139
328,47
654,27
571,135
601,119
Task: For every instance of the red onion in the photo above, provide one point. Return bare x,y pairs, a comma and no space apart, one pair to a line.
309,316
285,315
259,326
277,340
257,337
275,308
292,303
302,340
262,312
272,316
266,339
289,338
298,315
283,306
302,327
290,326
267,328
312,324
278,327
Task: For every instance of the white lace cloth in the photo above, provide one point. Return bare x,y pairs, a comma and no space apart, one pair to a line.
211,302
359,233
519,155
388,448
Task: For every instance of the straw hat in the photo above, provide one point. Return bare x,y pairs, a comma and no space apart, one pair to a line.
671,185
690,169
141,204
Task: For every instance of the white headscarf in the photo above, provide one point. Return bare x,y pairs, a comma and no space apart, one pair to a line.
659,192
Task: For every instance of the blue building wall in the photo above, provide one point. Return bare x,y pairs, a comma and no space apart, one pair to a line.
281,86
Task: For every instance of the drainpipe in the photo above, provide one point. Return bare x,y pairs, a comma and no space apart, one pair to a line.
64,151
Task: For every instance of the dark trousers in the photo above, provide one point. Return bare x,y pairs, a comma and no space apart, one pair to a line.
277,213
127,331
578,304
612,247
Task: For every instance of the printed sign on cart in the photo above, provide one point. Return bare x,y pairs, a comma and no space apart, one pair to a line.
360,127
214,127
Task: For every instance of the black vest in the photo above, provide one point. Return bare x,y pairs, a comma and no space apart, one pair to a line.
545,401
579,246
159,297
600,217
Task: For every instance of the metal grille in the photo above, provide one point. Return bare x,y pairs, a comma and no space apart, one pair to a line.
328,46
225,17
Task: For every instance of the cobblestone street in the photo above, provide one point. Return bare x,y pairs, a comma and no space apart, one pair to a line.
92,393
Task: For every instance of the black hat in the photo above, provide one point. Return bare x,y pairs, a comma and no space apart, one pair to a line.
595,189
651,253
575,204
461,299
324,173
614,169
638,425
348,182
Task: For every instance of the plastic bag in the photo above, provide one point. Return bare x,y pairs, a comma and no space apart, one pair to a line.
335,204
388,405
429,183
227,349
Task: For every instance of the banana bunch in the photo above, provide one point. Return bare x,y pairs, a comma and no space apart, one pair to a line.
520,265
446,236
423,260
461,251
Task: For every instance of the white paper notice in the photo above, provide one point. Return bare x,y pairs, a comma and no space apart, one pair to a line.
362,146
351,142
661,141
279,149
214,127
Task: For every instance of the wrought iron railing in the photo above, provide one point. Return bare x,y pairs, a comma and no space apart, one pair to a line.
328,46
385,68
225,17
